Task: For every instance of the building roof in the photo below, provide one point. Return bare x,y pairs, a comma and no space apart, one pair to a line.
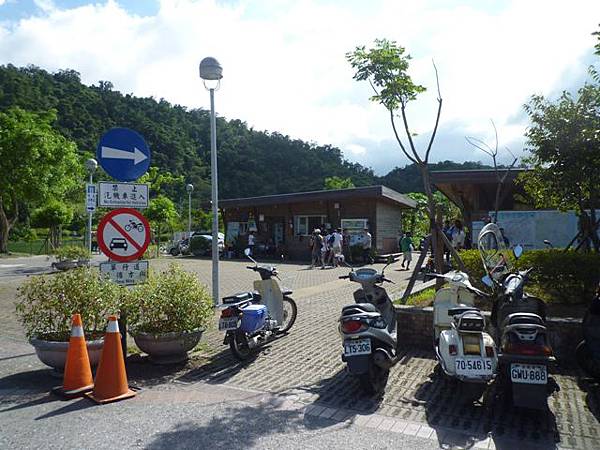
382,192
472,176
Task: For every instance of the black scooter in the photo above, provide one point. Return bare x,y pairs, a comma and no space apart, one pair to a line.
588,350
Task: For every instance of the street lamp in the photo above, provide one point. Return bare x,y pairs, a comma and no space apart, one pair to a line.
189,188
211,71
91,165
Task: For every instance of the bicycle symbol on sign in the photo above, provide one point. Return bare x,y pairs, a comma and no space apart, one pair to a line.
133,225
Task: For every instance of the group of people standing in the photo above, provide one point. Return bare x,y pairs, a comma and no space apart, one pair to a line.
333,248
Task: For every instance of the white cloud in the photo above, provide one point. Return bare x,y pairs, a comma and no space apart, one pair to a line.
285,70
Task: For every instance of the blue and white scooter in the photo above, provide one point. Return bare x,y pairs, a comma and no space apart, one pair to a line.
253,318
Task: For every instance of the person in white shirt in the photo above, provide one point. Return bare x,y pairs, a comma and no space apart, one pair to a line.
458,235
366,244
336,246
251,242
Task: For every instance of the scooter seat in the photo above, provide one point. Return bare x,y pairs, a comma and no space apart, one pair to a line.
458,310
522,318
239,297
359,308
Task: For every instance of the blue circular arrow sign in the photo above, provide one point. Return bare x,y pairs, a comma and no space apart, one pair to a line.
123,154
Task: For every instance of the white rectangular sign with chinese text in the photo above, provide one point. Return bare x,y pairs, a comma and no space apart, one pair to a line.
126,274
123,195
90,197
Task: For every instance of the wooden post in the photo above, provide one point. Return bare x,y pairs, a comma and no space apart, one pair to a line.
438,248
417,269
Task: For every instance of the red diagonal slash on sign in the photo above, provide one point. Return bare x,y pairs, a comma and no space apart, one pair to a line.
124,234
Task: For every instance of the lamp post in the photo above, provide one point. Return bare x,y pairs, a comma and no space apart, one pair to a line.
189,188
91,165
212,72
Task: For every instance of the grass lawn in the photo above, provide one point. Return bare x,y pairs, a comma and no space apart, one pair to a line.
36,247
423,298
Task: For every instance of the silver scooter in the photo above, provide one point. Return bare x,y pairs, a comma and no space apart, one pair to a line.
368,330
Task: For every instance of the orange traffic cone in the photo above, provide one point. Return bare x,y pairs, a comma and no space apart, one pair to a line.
78,373
111,377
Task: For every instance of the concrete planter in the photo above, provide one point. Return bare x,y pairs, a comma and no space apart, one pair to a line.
66,264
54,354
168,348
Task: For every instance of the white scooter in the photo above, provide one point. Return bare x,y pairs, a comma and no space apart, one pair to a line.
463,349
252,319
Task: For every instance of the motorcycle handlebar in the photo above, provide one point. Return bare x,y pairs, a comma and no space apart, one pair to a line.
251,267
343,277
388,280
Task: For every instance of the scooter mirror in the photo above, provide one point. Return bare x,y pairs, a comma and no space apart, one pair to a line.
247,252
487,281
518,251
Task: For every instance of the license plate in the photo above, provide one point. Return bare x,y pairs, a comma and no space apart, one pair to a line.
473,366
230,323
528,373
354,347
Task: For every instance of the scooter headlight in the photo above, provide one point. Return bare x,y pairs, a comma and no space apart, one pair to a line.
379,322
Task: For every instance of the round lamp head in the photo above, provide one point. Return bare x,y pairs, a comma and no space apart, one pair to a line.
189,187
91,165
210,69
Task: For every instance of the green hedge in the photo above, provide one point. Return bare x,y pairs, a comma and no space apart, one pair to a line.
557,276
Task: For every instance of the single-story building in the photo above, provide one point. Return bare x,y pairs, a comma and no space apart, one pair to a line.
474,192
286,221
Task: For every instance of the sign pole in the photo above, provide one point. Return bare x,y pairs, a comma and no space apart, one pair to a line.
215,201
89,227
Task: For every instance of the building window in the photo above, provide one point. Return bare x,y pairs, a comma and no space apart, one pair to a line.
306,224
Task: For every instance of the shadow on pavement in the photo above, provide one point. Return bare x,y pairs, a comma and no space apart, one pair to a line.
72,406
462,424
236,427
213,369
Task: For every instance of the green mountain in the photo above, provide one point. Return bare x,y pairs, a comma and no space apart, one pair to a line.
251,162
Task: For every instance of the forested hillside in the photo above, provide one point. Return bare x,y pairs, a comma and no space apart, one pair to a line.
250,162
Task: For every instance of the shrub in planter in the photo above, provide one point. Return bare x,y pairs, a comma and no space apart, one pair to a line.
558,276
71,252
167,315
46,304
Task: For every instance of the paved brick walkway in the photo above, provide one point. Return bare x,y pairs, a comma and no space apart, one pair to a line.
305,367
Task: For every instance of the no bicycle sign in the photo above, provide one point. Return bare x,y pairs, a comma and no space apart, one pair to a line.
123,235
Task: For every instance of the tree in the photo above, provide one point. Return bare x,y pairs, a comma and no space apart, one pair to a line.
493,153
564,145
37,163
332,183
385,67
161,212
53,215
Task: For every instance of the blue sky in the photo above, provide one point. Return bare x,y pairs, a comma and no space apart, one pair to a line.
284,64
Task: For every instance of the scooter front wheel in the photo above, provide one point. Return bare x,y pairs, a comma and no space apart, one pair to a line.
374,381
290,311
238,343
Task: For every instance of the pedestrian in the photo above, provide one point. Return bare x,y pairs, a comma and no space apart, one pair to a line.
336,246
317,243
406,246
251,242
346,245
366,245
458,235
324,250
447,230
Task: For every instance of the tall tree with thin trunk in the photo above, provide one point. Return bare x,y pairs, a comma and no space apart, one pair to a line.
501,172
385,67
